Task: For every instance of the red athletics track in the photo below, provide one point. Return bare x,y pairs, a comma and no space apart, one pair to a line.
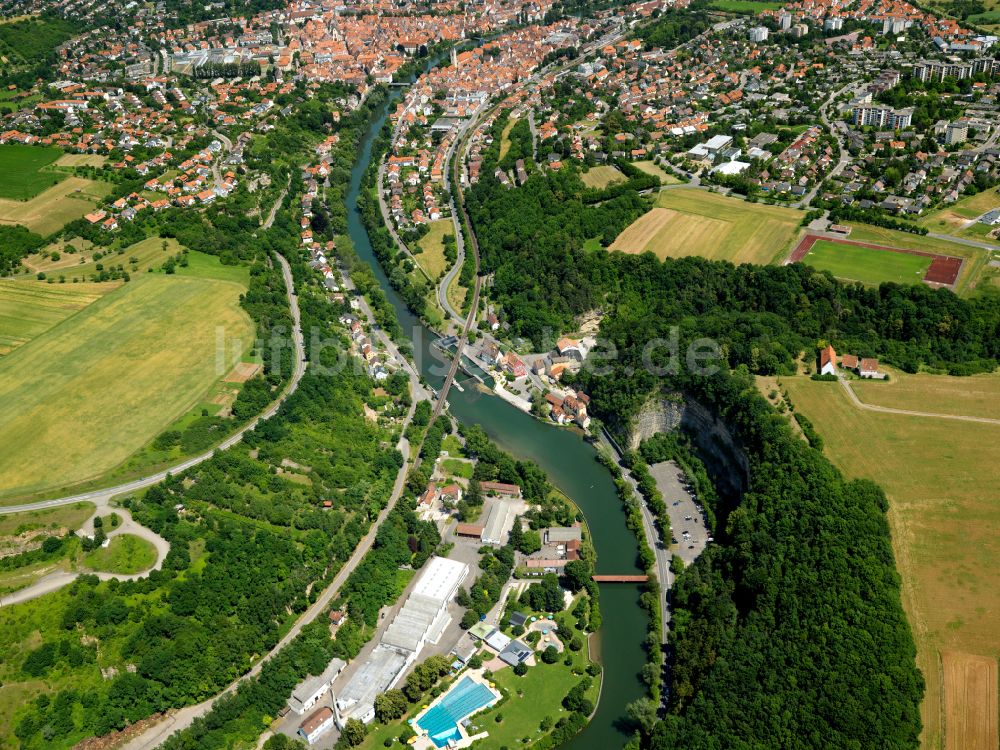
943,271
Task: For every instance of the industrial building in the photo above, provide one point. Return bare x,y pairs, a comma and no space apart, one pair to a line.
421,620
317,724
309,692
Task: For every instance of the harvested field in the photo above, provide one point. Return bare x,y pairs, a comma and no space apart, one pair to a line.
970,702
52,209
944,513
601,177
81,398
712,226
242,372
640,233
29,308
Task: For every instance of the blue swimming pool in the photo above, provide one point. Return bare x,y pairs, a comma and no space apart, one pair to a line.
441,721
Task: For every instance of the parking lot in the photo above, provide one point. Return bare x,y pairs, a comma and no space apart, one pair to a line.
686,517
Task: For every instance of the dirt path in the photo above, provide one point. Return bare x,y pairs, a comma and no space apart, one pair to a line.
55,581
907,412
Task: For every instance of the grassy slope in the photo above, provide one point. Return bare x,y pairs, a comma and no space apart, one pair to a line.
52,209
125,553
940,478
66,516
866,265
81,398
432,258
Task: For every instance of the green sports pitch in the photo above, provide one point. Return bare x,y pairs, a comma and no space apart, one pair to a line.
21,167
865,264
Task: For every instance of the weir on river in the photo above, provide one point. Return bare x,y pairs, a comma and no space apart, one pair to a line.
570,464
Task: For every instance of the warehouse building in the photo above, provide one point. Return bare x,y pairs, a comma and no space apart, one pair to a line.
308,693
421,620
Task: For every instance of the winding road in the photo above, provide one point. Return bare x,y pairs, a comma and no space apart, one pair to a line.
55,581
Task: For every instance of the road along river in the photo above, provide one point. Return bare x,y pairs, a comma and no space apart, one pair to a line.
570,463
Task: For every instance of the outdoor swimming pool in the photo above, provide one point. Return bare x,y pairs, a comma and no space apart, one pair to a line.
441,721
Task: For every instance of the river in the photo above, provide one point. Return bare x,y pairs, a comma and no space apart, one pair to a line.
570,464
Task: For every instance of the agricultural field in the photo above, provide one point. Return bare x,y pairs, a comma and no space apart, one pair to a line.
23,170
601,177
52,209
697,222
865,264
30,308
976,395
432,259
81,398
150,253
944,513
651,167
125,553
970,702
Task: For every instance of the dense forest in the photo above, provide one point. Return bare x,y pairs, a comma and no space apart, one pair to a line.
532,238
790,631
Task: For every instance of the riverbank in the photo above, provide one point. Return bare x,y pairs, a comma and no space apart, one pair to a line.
570,464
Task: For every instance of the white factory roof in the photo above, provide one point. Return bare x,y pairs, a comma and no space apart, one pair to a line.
440,579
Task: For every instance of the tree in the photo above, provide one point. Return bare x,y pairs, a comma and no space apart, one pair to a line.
641,713
390,705
470,618
550,655
578,574
520,669
354,732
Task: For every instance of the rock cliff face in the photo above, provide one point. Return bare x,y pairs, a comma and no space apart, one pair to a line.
718,448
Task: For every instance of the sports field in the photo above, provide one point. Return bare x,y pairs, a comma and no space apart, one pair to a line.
601,177
30,308
432,258
696,222
52,209
944,512
78,400
866,265
21,167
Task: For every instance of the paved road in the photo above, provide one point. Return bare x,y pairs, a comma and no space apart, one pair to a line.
964,241
183,718
909,413
227,146
102,496
55,581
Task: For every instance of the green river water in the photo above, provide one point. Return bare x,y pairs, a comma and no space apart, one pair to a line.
570,464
